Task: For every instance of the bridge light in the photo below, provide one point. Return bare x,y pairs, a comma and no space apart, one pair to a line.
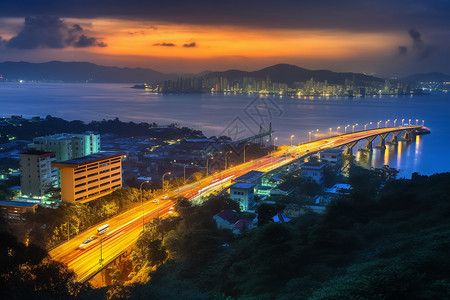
403,120
378,124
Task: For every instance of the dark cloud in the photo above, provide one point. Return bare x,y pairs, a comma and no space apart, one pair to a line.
190,45
346,14
402,50
51,32
85,41
415,36
165,44
421,49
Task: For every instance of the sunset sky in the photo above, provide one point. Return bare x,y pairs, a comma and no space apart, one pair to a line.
382,37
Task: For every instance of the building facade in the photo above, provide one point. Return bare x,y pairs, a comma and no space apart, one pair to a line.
331,156
36,172
243,193
15,210
68,146
87,178
313,171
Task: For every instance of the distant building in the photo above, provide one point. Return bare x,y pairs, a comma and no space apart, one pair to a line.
14,210
67,145
87,178
37,174
331,156
313,171
243,193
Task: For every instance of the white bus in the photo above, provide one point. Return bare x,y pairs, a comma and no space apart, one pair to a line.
103,229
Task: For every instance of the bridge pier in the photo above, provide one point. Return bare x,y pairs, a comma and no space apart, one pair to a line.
369,143
394,140
382,143
349,148
407,136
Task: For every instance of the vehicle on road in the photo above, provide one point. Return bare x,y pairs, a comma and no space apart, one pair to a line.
87,242
103,229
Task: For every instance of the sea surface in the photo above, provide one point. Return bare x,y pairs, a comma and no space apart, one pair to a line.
239,116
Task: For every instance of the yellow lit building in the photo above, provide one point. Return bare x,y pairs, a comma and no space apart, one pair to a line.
87,178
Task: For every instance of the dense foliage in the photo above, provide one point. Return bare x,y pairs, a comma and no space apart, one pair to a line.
52,125
389,239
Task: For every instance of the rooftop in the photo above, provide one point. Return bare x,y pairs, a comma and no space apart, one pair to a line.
41,153
242,186
228,215
87,159
64,136
17,203
249,176
332,151
313,165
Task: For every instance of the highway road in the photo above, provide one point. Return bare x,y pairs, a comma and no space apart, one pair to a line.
124,229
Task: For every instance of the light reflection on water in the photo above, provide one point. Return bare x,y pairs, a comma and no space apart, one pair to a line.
405,156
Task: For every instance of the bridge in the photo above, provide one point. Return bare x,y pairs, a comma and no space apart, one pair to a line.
126,227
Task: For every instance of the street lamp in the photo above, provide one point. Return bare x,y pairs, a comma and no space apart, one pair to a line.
385,123
226,159
163,186
101,251
142,200
207,168
244,150
310,135
330,132
378,124
423,122
395,121
337,129
417,121
409,122
291,139
271,152
403,120
346,128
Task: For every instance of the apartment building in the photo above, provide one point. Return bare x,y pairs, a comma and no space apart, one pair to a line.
36,174
87,178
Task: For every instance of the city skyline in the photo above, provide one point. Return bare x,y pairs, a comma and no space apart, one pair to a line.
383,38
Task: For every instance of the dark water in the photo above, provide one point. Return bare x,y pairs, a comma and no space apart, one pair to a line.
241,115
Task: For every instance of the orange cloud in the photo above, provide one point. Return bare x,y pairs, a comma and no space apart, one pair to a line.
136,38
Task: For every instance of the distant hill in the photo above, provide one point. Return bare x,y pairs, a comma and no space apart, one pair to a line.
428,77
78,72
289,73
